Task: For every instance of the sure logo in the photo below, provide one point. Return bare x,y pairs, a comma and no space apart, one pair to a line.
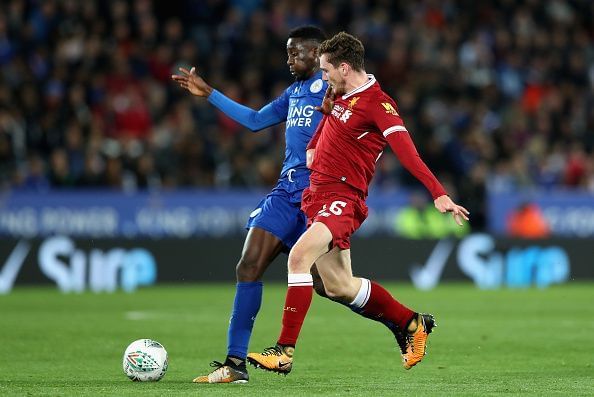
61,261
478,258
76,270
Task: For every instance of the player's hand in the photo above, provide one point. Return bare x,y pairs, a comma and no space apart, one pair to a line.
190,81
309,155
327,102
445,204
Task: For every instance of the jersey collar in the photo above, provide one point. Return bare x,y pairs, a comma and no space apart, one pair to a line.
361,88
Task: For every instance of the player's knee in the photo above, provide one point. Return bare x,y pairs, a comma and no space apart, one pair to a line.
337,293
297,262
249,268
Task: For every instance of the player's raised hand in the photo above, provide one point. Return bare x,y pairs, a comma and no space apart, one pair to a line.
189,80
327,102
445,204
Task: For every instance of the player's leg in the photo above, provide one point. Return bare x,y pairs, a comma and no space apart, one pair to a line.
336,276
274,226
369,299
320,289
259,250
310,246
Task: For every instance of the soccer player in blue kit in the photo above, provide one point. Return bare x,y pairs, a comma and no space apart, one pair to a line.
276,224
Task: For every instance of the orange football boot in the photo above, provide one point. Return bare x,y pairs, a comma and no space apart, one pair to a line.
277,359
417,341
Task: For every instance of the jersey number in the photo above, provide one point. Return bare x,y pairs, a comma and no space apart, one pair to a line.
335,208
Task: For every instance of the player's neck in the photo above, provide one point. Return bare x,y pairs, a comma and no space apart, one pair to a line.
356,80
311,73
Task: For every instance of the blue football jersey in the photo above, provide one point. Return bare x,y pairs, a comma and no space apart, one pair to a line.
297,105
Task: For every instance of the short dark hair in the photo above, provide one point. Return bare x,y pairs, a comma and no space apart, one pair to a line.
308,32
346,48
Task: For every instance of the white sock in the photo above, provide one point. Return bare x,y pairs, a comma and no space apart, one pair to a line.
299,279
363,294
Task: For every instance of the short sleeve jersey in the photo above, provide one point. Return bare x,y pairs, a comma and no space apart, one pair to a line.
353,136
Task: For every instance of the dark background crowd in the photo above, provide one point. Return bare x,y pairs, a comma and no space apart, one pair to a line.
498,94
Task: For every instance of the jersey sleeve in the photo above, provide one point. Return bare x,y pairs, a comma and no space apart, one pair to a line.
254,120
281,104
391,126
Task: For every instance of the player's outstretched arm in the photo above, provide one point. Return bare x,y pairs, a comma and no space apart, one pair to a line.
405,150
445,204
249,118
189,80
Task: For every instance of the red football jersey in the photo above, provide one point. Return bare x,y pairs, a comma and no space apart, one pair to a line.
350,140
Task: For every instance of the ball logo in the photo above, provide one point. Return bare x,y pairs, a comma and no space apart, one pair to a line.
141,361
316,86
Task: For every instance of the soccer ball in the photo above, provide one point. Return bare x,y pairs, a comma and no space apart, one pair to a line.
145,360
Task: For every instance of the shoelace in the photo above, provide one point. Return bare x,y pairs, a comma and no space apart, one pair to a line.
217,364
416,345
219,374
272,351
410,340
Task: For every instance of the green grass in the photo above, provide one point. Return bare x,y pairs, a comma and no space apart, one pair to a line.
511,342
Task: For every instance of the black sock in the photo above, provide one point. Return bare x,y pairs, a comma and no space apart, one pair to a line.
235,362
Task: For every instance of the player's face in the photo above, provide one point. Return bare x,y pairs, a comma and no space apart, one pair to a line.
302,58
333,75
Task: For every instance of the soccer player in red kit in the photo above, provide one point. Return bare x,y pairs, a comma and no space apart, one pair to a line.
358,123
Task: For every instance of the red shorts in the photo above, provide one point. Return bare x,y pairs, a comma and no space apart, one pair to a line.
341,208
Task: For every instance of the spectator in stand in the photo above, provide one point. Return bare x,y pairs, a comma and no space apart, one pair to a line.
508,83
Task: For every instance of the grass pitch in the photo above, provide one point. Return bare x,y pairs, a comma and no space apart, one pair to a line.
511,342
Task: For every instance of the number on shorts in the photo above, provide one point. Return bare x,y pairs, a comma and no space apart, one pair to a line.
335,208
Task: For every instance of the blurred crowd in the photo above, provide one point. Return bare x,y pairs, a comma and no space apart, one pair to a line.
497,94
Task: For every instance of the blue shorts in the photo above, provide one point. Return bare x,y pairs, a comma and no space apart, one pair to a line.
280,213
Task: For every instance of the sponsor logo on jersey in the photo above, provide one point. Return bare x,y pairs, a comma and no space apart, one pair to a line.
337,110
300,116
341,113
389,108
345,116
316,86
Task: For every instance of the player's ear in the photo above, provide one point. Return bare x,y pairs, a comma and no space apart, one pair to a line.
315,52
